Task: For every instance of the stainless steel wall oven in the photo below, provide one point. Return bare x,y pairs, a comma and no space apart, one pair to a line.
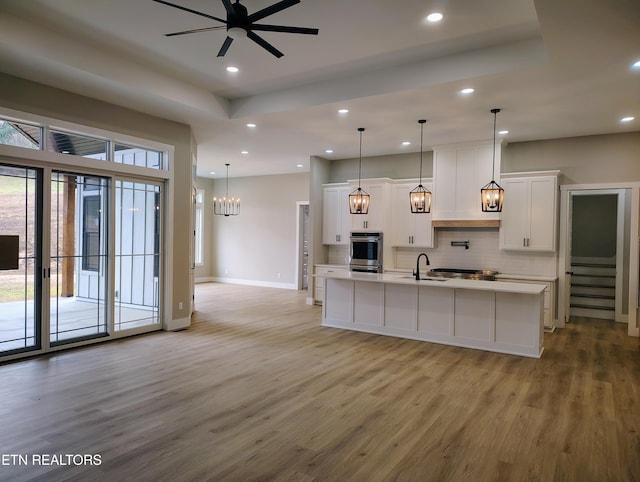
365,253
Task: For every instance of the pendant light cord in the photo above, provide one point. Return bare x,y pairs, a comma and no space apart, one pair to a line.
493,164
360,130
227,188
421,122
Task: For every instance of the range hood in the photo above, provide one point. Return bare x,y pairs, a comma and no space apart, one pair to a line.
465,223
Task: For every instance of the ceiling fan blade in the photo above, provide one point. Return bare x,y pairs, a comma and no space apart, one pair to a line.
225,46
275,8
264,44
228,7
283,28
180,7
206,29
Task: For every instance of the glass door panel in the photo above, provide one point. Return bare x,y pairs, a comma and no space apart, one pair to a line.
79,265
137,256
20,259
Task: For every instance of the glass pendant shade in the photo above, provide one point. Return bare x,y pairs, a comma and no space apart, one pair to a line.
491,194
420,200
420,197
226,206
359,198
492,197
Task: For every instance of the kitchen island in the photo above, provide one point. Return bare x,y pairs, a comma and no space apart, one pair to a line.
487,315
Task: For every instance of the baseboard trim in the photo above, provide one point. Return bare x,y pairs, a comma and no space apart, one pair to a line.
264,284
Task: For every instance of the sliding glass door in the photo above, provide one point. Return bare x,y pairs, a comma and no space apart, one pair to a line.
137,254
78,257
20,259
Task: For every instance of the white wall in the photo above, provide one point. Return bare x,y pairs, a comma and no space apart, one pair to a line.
258,246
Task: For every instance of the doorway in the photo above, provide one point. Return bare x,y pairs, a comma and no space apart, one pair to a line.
302,245
595,254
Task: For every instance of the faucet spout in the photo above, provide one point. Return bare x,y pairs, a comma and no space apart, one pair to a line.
416,273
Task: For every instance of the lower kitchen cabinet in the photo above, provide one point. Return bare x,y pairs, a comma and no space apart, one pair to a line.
318,285
548,314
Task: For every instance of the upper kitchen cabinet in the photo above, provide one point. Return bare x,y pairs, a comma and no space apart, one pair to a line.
379,205
530,211
336,220
409,230
459,172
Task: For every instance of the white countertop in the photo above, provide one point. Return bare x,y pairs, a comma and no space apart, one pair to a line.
408,279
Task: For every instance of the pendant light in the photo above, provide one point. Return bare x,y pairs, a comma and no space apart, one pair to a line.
359,199
227,206
419,197
492,195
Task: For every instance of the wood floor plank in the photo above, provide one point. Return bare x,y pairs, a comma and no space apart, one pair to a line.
256,389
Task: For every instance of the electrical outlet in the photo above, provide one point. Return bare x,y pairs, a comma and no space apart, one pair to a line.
180,305
226,271
278,275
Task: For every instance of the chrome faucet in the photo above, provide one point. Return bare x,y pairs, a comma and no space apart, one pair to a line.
416,273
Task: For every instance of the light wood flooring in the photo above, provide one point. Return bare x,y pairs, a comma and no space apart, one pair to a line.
256,389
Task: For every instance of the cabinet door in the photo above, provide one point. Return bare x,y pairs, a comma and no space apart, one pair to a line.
422,230
335,215
329,212
542,209
401,215
374,219
515,218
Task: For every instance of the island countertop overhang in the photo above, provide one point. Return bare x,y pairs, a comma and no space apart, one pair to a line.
408,279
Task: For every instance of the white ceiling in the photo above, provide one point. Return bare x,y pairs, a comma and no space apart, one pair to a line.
555,68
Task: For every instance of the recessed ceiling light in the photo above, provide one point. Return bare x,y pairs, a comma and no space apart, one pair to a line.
232,69
627,119
244,152
502,133
250,124
467,90
434,17
406,143
343,111
213,173
636,65
300,165
329,151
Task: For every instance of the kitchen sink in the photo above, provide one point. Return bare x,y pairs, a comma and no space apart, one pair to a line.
475,274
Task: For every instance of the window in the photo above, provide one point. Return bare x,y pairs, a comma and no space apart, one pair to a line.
137,156
76,145
91,233
199,219
19,134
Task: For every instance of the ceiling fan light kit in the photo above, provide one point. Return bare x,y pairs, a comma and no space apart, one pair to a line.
239,24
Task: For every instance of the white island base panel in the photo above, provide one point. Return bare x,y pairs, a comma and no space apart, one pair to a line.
499,321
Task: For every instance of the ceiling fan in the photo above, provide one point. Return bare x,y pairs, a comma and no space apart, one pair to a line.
240,24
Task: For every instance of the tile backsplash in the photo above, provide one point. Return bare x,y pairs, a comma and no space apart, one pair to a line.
483,253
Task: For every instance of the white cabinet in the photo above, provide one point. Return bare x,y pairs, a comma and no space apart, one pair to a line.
379,205
409,229
336,220
459,172
548,314
529,213
318,281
